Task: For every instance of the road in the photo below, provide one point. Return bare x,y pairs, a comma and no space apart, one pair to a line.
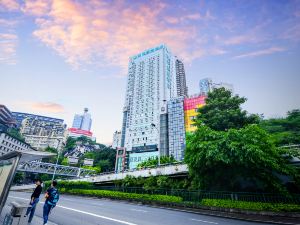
74,210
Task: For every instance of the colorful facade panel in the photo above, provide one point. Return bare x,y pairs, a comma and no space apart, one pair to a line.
191,106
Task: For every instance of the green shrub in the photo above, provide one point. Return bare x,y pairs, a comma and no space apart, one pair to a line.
71,184
123,195
257,206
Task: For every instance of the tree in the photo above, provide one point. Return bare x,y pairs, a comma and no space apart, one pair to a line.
229,152
14,132
237,159
104,158
285,131
154,162
222,111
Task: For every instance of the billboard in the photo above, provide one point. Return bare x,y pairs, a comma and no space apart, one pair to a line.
88,162
73,159
80,132
137,158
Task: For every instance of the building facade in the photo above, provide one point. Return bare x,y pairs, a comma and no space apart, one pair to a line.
6,117
176,128
191,106
10,144
83,121
41,131
207,85
117,140
75,133
151,83
41,142
182,89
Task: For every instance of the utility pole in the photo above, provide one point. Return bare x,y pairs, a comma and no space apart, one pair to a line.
56,159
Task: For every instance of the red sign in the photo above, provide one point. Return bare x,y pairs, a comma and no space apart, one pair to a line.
80,132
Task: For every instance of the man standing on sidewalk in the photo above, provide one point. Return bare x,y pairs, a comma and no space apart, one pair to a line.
52,197
35,197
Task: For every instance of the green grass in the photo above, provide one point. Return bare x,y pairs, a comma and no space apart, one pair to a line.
256,206
123,195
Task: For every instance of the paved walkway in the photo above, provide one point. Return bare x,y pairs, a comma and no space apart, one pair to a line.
35,221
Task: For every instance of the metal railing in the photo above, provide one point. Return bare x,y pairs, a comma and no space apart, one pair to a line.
49,168
198,195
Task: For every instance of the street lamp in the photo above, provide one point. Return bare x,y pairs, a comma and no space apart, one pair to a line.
153,125
56,159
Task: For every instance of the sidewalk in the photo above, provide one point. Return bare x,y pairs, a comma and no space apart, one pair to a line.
36,220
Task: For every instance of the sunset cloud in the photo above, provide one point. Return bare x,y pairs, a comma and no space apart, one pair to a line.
49,107
267,51
8,45
106,33
83,33
10,5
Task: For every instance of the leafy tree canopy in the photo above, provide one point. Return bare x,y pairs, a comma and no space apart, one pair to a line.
229,151
222,111
285,131
154,162
237,159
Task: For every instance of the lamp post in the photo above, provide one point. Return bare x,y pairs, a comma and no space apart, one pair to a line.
153,125
56,159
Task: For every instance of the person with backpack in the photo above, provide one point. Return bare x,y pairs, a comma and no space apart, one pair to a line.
52,197
34,200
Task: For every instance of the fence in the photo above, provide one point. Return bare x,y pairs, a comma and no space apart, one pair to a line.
197,196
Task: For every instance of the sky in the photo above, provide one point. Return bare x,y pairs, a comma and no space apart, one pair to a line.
59,56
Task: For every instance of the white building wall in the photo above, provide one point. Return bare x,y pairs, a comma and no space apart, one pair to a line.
42,142
10,144
151,82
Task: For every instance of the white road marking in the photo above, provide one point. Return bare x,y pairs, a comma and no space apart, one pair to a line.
204,221
95,215
87,213
139,210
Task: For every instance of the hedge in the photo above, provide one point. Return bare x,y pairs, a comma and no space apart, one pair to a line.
71,184
256,206
123,195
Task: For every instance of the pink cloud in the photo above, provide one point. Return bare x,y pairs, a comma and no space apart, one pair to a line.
94,32
36,7
241,39
8,46
50,107
267,51
10,5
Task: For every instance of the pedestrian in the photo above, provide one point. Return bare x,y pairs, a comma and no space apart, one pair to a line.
52,197
35,197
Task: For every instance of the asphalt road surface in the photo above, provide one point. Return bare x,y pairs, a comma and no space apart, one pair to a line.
73,210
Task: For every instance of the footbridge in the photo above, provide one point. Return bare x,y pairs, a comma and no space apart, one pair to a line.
49,168
172,170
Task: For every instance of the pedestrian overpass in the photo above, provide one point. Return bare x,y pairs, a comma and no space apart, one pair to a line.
172,170
49,168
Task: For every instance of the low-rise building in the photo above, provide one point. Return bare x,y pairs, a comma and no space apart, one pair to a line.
42,142
10,144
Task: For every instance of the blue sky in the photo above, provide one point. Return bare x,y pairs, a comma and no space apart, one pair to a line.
57,57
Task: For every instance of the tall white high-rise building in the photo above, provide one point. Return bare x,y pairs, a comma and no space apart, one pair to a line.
83,121
151,83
